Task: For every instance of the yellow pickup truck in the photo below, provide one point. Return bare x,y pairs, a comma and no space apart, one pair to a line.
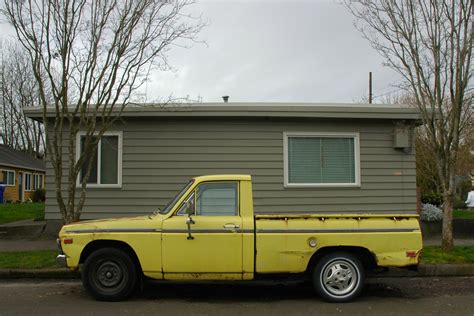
210,232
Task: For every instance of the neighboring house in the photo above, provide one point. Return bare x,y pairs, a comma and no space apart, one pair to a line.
20,173
342,158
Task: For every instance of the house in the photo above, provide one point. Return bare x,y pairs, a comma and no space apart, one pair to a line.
343,158
21,173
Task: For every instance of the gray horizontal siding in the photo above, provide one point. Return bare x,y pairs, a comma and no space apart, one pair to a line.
146,195
120,201
159,157
259,180
175,187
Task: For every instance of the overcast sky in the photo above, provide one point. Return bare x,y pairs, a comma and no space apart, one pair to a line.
273,51
280,51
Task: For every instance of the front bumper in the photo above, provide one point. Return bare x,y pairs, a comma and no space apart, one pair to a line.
61,261
61,258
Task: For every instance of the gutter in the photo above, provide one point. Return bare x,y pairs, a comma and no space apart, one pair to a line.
21,167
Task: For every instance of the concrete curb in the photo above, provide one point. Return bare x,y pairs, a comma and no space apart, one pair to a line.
424,270
54,273
429,270
446,269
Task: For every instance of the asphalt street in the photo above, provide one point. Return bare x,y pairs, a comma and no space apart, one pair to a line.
381,296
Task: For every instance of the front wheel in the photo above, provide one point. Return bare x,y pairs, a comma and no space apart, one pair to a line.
109,274
338,277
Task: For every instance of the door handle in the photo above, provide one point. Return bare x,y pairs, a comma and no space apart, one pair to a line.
231,226
189,221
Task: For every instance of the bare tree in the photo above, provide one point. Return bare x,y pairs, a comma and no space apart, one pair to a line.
91,57
18,89
429,43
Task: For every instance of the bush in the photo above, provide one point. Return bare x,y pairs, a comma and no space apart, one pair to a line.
432,198
459,203
430,213
463,186
39,195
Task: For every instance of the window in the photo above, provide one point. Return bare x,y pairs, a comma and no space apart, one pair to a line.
8,177
27,181
217,199
37,181
319,160
212,199
106,161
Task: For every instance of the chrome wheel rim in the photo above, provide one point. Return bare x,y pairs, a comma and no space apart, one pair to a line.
339,277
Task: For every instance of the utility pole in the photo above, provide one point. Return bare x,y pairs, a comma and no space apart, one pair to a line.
370,87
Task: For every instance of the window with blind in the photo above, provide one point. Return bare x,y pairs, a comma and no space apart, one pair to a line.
106,170
315,159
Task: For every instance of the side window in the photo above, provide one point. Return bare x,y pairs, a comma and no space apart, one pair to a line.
217,199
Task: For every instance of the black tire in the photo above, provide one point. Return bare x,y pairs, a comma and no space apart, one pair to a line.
338,277
109,274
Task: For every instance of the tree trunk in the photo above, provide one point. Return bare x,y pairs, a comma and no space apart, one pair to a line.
448,198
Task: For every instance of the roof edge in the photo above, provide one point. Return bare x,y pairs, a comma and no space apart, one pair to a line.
21,167
310,110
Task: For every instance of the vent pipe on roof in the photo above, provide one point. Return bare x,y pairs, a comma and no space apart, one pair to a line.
225,98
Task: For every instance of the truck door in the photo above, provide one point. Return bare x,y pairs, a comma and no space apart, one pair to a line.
208,243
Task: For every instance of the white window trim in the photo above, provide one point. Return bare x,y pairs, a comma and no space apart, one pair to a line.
31,182
356,137
119,163
14,177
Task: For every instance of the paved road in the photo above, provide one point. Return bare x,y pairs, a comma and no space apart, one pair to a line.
387,296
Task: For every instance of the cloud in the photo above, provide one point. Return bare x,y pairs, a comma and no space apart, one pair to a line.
301,51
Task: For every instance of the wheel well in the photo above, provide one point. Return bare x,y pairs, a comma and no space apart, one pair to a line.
100,244
363,254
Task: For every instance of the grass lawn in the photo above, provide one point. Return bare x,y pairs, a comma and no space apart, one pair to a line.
463,214
28,259
10,212
460,254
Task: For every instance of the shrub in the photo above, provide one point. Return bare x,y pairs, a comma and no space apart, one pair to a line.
432,198
39,195
459,203
430,213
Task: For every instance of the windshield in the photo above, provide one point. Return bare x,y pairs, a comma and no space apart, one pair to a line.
170,205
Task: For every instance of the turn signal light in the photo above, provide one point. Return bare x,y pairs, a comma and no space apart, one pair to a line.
67,241
411,254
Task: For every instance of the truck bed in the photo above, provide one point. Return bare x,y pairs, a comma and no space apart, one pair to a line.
285,243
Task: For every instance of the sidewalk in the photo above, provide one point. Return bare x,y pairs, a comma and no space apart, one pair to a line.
27,245
457,241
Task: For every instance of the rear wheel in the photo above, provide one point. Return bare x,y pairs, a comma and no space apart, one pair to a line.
109,274
338,277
